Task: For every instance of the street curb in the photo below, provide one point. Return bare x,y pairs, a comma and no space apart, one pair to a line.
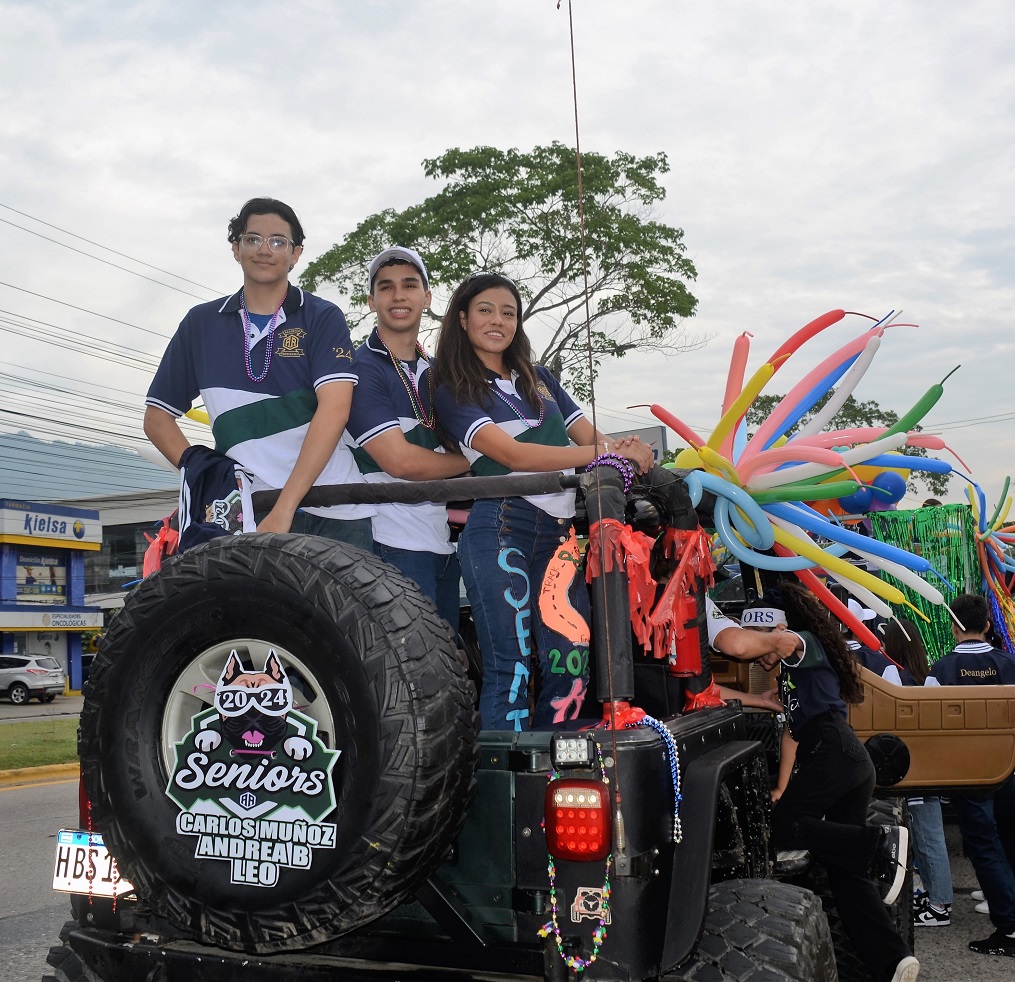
31,775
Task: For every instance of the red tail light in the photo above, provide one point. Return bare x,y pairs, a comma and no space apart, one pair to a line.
37,671
578,819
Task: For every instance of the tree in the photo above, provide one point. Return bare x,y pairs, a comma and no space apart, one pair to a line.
518,213
853,414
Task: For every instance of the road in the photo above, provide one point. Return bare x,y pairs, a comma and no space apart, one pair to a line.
31,914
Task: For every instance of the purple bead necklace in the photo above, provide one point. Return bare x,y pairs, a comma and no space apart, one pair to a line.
245,317
503,398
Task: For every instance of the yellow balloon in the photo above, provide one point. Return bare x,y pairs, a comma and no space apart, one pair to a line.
688,459
718,464
807,549
732,415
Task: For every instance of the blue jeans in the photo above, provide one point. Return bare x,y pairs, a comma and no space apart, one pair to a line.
505,550
437,575
931,850
987,824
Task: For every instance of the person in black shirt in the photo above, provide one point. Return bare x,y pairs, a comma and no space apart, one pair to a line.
824,806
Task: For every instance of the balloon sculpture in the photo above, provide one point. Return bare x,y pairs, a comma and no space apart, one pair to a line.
997,566
769,487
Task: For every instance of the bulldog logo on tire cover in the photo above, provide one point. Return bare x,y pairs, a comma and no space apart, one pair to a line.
252,779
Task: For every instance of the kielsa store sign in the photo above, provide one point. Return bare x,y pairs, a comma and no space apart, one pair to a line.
27,523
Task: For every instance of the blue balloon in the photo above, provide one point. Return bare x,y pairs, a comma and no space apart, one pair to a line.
812,523
909,462
858,502
888,487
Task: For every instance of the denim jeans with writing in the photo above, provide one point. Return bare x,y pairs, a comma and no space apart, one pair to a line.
505,549
437,575
987,824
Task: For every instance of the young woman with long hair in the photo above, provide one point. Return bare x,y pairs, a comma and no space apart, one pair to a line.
904,645
507,416
823,808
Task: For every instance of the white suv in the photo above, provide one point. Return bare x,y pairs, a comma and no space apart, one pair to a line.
24,676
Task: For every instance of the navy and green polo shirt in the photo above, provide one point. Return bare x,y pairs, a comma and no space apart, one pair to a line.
381,403
560,412
262,425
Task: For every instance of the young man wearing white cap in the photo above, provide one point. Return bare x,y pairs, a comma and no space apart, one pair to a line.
393,424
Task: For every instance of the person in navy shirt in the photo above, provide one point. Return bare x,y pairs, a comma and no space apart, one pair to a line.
874,661
273,366
394,426
987,818
519,556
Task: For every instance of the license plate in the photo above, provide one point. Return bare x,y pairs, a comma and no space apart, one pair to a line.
83,865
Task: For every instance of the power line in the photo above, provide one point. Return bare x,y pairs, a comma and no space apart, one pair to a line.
133,272
99,245
83,310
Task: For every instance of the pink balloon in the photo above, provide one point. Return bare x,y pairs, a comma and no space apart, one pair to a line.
735,385
789,402
768,460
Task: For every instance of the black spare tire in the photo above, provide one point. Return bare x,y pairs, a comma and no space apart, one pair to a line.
278,740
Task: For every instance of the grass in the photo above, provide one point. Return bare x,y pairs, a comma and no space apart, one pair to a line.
37,742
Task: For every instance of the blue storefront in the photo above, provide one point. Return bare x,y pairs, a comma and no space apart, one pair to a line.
42,580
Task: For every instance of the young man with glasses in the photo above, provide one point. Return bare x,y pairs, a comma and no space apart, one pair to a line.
393,423
273,367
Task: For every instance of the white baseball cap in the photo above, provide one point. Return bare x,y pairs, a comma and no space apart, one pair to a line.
860,612
399,254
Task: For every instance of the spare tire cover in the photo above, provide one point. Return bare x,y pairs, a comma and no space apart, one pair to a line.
278,740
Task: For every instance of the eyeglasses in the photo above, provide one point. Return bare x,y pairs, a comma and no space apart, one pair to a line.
276,243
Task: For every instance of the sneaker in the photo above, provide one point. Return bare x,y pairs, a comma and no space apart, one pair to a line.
982,907
888,867
907,970
930,916
977,895
997,944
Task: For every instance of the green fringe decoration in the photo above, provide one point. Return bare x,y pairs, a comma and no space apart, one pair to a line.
945,536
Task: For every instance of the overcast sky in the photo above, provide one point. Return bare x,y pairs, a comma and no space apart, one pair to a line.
823,155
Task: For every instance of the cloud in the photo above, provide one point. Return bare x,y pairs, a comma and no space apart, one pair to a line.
844,155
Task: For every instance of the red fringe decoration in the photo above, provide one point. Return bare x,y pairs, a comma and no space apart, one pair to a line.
677,604
615,546
163,544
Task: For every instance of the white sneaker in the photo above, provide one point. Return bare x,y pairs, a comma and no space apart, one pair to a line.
907,970
982,908
977,895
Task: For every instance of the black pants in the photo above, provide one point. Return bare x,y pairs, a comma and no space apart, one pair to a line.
824,810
